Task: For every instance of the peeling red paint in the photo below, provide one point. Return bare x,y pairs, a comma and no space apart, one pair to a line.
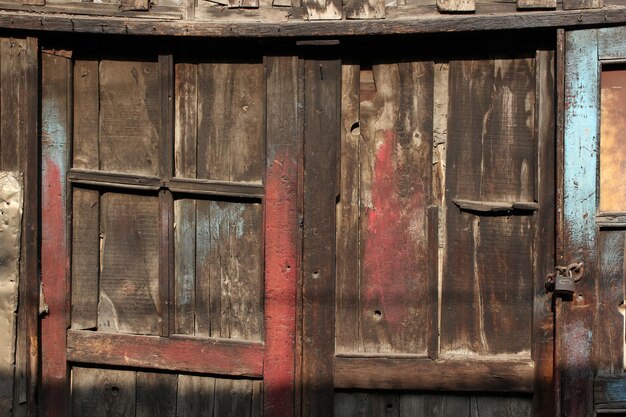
54,268
394,256
280,284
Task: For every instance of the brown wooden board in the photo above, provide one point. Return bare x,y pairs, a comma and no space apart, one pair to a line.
130,117
322,9
230,122
582,4
102,393
185,266
156,394
362,9
196,396
10,124
85,258
185,119
86,121
129,276
488,285
456,6
233,397
322,135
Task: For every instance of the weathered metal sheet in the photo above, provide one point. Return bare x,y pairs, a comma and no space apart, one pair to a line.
580,196
11,197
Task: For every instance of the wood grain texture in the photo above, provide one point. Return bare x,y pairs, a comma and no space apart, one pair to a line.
582,4
102,393
536,4
233,397
348,230
85,258
129,276
322,134
196,396
608,392
456,6
185,354
86,121
185,266
185,119
55,102
230,121
156,394
444,374
134,5
12,126
282,235
395,167
129,117
487,278
364,9
322,9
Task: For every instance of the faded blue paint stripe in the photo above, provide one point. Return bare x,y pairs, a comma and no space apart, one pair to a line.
581,137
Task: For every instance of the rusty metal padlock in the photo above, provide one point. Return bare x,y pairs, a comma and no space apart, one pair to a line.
563,279
564,283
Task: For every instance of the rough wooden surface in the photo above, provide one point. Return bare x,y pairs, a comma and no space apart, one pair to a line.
322,9
86,121
456,6
364,9
11,208
156,394
536,4
282,237
129,286
101,393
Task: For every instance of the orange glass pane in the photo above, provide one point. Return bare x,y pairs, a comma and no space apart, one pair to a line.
613,140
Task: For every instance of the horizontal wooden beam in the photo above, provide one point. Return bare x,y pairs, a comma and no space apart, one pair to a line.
223,188
459,374
175,353
429,23
609,392
113,179
495,206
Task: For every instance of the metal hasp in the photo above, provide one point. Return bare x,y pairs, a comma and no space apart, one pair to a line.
562,280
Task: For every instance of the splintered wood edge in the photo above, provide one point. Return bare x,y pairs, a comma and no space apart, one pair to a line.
495,206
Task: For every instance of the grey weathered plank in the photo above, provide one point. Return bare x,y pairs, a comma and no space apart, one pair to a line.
196,396
230,121
129,117
86,98
536,4
458,6
156,394
129,278
489,406
10,123
185,119
102,393
85,258
233,397
364,9
135,5
185,265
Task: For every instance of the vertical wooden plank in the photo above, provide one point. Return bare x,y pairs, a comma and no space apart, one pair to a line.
135,5
446,405
536,4
580,192
321,137
282,234
489,406
545,232
256,409
348,257
129,300
11,204
196,396
185,265
233,397
456,6
230,121
102,393
186,119
206,309
87,99
85,258
322,9
130,117
396,161
55,132
351,404
156,395
364,9
10,126
582,4
26,396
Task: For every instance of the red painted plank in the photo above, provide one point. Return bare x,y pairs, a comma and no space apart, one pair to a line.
184,354
54,254
281,231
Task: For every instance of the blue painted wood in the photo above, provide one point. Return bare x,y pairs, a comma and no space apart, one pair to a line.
609,392
609,45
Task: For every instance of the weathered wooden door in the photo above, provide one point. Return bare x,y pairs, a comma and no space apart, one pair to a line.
590,327
444,209
169,247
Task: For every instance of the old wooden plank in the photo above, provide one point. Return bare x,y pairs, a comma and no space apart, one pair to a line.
166,75
156,394
536,4
348,257
85,258
545,229
456,6
206,308
322,134
608,48
185,119
103,392
11,208
608,392
322,9
582,4
364,9
87,99
218,188
455,374
10,124
196,396
395,161
25,398
183,353
134,5
282,234
130,117
55,102
580,196
129,300
434,404
233,397
231,121
114,179
165,288
256,409
502,406
185,265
